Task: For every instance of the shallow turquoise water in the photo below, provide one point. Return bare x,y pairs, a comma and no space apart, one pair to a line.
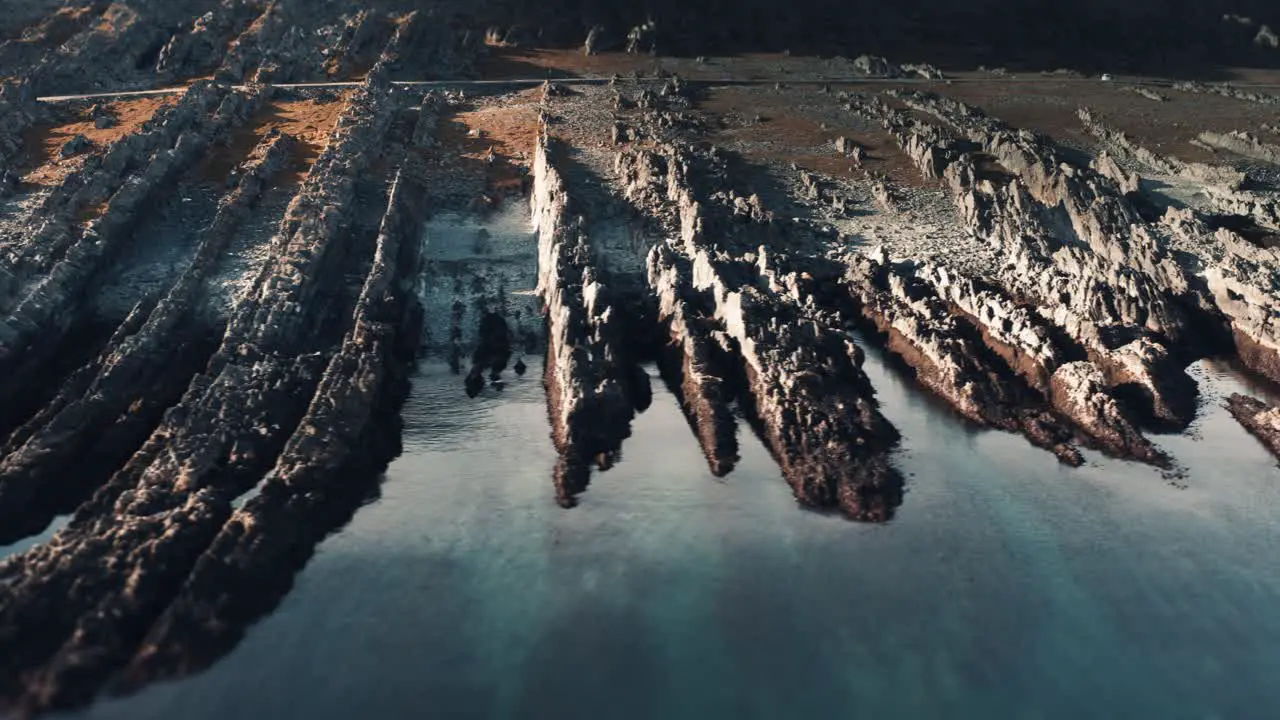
1007,587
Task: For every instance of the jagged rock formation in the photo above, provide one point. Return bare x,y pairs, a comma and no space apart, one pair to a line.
106,45
102,415
1122,143
802,378
1244,283
1243,143
874,66
199,49
1077,280
698,359
324,472
1106,166
1260,419
170,499
51,270
208,425
591,396
950,356
1226,90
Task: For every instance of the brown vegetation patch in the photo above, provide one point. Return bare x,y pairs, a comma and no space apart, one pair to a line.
512,63
1049,107
309,121
501,136
115,18
794,127
59,27
44,164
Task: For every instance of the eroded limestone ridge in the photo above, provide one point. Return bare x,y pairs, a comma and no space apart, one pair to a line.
593,387
1259,418
301,357
211,298
741,309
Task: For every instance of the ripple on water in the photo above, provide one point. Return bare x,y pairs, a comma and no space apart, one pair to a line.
1007,586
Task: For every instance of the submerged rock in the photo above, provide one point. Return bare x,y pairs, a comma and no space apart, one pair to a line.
493,351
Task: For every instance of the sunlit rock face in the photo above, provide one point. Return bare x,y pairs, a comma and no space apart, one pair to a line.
814,255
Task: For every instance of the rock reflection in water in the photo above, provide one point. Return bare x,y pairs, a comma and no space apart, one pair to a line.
1007,585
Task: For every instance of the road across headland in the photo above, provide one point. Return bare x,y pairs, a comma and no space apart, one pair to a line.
534,82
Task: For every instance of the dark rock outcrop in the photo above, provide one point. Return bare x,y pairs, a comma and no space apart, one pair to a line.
97,421
130,547
200,48
587,375
1260,419
51,270
329,467
493,351
802,378
54,267
18,112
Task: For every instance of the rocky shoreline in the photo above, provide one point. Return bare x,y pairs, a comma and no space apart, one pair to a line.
592,392
1259,418
802,382
211,424
103,415
227,430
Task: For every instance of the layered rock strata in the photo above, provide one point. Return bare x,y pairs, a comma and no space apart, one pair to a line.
100,583
697,360
589,381
328,467
1239,277
106,410
54,268
803,384
950,356
1086,295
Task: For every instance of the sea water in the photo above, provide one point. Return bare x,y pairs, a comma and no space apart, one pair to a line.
1006,586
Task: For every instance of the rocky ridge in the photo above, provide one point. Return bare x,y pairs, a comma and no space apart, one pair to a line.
104,412
1260,419
592,392
170,499
801,377
752,240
